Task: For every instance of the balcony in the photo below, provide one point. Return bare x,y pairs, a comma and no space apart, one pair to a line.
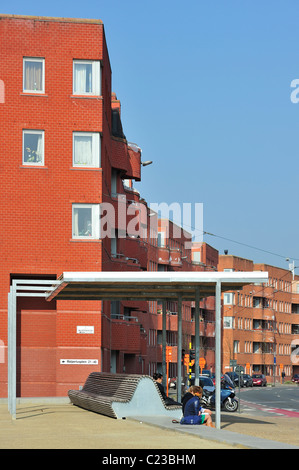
127,334
263,314
174,353
170,256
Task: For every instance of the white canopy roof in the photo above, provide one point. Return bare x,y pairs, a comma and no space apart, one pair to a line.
142,285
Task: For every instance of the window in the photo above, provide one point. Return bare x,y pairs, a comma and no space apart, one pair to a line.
196,256
114,242
228,298
33,75
86,221
86,77
33,147
86,149
228,322
161,239
114,176
115,308
257,302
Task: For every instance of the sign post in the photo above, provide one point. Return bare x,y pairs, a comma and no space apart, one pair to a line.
281,367
168,360
239,370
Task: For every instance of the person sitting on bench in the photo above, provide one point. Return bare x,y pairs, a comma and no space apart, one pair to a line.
158,379
193,412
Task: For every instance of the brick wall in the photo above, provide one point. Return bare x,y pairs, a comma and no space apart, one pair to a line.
36,202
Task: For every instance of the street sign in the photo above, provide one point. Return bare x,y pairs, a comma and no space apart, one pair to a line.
186,360
79,361
202,362
168,353
239,370
233,363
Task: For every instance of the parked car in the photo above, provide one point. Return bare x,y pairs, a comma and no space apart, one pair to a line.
225,379
248,382
259,379
235,378
172,383
295,378
204,381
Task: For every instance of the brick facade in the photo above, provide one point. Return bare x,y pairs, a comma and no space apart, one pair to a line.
40,202
261,323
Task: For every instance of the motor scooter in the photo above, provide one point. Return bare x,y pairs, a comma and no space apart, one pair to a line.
227,397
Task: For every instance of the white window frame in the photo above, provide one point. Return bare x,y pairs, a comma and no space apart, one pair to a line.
34,59
95,221
196,256
96,77
96,149
161,239
228,322
37,132
228,298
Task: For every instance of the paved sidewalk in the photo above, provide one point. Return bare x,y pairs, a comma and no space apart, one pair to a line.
225,436
64,426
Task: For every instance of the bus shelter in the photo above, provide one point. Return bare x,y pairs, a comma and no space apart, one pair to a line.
162,286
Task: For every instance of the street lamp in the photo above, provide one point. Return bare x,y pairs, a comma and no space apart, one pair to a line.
292,267
148,162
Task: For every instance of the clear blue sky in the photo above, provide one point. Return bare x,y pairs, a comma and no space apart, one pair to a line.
205,88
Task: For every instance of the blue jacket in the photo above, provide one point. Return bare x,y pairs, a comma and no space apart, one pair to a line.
192,407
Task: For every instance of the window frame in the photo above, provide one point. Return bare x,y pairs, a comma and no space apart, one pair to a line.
228,298
96,149
95,221
96,72
33,131
34,59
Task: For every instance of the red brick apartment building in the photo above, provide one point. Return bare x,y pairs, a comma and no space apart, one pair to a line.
69,165
261,322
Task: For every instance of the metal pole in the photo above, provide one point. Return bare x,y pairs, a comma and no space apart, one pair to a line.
179,358
13,351
9,351
197,338
218,356
164,343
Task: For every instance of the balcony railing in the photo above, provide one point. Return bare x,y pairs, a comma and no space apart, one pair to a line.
118,316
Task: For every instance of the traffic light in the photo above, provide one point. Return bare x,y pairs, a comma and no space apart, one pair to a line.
183,356
192,354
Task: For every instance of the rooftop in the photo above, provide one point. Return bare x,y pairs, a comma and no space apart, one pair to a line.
51,18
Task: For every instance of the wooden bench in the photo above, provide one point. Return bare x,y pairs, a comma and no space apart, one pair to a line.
122,395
